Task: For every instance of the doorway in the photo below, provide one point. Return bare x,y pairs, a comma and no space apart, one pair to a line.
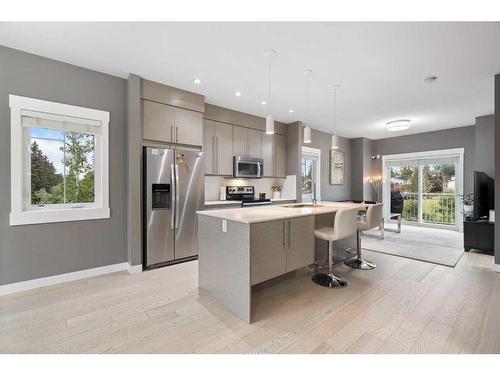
310,167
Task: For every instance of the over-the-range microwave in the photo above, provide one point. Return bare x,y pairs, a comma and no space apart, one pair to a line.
246,167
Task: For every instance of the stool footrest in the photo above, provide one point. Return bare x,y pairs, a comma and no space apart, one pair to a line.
330,280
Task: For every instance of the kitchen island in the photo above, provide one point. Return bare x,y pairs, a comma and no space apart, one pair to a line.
239,248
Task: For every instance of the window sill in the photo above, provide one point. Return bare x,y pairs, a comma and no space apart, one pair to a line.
59,215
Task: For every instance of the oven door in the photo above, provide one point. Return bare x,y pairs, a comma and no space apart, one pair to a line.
247,167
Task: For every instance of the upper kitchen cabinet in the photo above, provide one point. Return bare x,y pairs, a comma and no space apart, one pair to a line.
255,143
218,147
247,142
188,127
157,121
280,155
171,115
274,155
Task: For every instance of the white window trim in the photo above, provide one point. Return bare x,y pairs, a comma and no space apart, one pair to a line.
316,152
21,216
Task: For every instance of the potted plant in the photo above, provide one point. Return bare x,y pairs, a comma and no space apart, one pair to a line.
277,191
467,201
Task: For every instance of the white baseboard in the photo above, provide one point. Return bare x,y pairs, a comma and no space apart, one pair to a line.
134,269
65,277
496,267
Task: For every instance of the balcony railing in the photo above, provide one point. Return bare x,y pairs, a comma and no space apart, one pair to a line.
437,208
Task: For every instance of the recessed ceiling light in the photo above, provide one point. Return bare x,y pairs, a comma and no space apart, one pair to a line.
398,125
290,111
263,102
431,79
237,93
197,81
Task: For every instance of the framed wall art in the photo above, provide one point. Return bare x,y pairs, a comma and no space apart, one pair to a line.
337,167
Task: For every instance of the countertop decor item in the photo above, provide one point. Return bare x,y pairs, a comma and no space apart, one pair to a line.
277,191
222,193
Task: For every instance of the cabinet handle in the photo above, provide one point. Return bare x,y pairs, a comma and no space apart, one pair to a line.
274,162
177,134
217,154
171,133
213,155
289,232
284,235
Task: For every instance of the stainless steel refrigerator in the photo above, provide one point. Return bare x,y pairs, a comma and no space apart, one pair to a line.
173,192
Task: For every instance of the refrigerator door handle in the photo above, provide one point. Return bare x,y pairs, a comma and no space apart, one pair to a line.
176,196
172,201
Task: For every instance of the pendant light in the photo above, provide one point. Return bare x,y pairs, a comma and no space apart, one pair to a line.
335,138
269,117
307,129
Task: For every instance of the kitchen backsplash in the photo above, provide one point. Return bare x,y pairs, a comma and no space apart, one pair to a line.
263,185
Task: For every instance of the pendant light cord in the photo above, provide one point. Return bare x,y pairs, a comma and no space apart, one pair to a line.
307,97
269,99
335,111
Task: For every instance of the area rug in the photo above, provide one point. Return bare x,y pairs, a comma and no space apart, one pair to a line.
439,246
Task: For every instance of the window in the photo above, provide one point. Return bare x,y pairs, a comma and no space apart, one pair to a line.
59,162
310,172
427,185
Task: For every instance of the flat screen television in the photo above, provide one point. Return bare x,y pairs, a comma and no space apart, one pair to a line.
483,194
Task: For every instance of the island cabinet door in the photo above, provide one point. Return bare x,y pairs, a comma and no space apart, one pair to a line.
300,242
267,250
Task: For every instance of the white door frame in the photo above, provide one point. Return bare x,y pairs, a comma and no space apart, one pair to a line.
316,152
459,178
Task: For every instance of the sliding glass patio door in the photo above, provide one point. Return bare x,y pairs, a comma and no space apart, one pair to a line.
424,187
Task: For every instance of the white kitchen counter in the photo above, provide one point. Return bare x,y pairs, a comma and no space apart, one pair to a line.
252,215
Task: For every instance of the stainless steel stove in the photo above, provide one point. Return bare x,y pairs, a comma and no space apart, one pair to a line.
245,194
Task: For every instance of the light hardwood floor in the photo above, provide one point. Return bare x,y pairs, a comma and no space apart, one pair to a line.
403,306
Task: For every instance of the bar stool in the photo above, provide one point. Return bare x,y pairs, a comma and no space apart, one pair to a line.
344,225
374,218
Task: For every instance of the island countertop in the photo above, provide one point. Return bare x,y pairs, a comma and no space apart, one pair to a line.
277,212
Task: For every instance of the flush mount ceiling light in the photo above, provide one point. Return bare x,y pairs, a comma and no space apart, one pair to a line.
263,102
290,111
197,81
398,125
431,79
237,93
335,138
269,118
307,129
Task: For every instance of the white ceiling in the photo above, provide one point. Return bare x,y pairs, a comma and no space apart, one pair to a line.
380,66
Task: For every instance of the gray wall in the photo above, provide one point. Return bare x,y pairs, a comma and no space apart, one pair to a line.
484,159
497,165
33,251
357,168
361,169
134,171
293,153
443,139
368,192
323,141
